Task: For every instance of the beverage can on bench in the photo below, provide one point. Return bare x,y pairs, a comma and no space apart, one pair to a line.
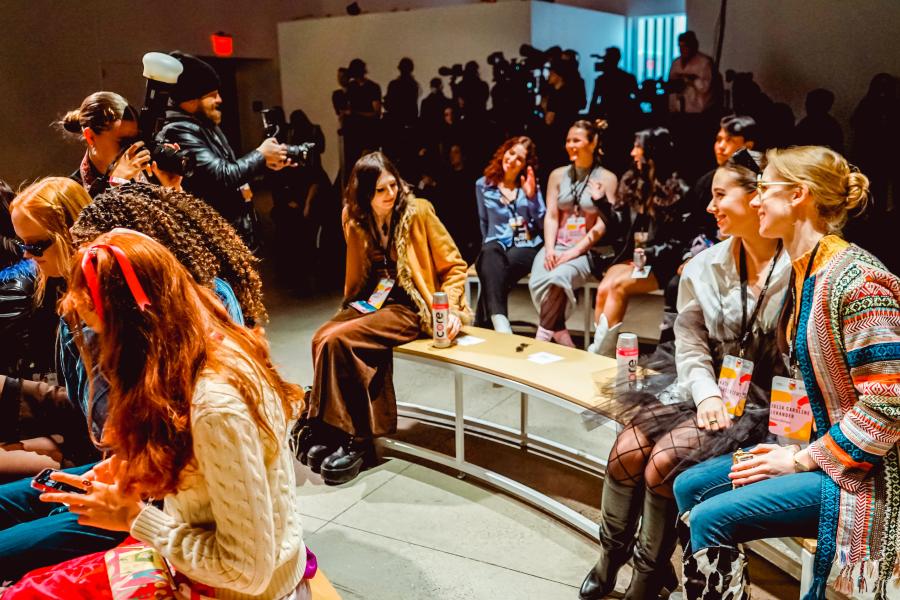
440,310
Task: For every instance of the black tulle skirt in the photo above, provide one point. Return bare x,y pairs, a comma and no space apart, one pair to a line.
657,402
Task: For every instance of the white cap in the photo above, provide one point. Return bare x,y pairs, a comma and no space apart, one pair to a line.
162,67
627,340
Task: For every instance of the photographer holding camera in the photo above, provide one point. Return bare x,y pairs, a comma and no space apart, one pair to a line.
218,177
109,126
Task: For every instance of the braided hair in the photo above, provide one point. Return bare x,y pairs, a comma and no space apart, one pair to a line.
205,243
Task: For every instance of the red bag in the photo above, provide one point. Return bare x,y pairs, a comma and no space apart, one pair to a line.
82,578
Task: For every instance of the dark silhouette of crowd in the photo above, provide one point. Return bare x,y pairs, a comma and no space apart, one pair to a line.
441,138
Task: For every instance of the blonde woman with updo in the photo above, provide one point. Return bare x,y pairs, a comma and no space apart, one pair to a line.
839,334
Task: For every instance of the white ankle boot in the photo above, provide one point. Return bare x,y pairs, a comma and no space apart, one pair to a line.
605,336
501,324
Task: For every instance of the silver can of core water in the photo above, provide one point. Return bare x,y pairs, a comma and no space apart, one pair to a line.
440,311
626,358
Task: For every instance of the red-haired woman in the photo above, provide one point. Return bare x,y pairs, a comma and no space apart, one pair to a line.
511,214
199,416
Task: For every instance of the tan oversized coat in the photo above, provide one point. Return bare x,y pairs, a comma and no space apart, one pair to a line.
427,261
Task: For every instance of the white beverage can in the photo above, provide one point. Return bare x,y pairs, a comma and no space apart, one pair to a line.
440,311
626,357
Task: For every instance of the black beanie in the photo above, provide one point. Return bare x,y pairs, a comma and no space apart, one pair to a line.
197,79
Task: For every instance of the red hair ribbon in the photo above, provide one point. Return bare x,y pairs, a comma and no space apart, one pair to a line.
93,282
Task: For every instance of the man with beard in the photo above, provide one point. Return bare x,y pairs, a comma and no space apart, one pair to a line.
219,177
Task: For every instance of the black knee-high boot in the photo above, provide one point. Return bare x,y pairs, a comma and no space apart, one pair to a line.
653,551
619,510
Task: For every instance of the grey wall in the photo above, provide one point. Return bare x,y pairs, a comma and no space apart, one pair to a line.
794,46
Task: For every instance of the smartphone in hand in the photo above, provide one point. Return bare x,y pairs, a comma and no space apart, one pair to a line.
43,483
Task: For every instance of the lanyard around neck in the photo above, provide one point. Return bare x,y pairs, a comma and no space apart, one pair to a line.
576,192
390,233
747,326
795,310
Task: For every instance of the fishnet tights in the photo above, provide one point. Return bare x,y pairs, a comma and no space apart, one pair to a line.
637,459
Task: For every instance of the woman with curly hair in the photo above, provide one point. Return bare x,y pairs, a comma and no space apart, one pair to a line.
511,214
30,537
579,207
192,230
649,202
198,418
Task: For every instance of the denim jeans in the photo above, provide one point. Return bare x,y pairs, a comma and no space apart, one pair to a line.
37,534
782,506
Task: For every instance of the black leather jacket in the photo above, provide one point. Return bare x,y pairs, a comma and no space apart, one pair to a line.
28,330
218,174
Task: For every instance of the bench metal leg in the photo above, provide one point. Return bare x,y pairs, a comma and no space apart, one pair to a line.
807,559
523,420
588,316
460,426
472,296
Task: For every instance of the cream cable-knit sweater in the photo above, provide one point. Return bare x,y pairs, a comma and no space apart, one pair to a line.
233,523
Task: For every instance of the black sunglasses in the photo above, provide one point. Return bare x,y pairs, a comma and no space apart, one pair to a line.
35,248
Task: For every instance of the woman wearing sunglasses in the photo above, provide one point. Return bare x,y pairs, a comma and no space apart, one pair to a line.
41,216
197,417
206,245
840,336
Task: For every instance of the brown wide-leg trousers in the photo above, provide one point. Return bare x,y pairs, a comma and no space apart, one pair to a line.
353,388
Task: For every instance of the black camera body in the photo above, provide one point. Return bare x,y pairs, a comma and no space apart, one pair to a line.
150,120
454,72
275,126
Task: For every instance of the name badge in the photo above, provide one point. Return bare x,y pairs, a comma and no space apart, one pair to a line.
734,383
376,300
790,415
384,287
574,230
519,230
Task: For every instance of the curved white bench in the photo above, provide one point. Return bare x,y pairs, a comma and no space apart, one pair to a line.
566,382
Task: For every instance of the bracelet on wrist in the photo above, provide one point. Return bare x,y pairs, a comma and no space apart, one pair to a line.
799,467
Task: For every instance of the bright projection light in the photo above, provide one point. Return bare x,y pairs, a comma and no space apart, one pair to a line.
162,67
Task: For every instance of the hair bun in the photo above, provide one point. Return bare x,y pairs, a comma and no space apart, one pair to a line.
72,121
601,124
857,190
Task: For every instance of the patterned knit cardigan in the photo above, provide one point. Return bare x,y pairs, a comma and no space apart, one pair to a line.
849,355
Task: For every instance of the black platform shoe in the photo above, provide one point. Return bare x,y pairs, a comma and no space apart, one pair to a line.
303,441
317,454
347,461
312,447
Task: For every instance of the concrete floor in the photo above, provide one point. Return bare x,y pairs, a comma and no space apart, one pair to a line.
407,531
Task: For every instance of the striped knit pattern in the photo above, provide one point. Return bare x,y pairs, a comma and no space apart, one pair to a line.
849,354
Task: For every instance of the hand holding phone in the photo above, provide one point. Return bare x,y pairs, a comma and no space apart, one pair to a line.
44,483
97,503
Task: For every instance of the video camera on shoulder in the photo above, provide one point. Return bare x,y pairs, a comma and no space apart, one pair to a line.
275,126
161,72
